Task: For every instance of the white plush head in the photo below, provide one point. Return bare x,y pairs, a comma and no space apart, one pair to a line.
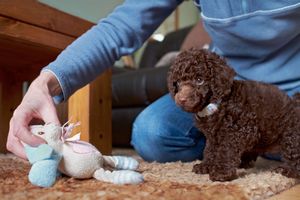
49,132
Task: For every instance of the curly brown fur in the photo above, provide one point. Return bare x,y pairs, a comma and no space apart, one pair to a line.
252,117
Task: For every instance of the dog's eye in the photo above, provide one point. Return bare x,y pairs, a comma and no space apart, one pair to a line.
41,133
199,82
176,86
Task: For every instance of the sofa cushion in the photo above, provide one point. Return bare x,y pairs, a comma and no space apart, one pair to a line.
139,87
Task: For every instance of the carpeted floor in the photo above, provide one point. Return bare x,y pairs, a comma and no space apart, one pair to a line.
162,181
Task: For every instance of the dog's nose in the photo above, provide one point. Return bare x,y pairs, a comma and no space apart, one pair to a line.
181,99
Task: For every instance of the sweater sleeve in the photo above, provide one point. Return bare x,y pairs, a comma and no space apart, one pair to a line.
121,33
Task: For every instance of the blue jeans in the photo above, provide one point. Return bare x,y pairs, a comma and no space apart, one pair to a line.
165,133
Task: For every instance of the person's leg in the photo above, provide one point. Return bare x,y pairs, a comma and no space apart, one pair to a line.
165,133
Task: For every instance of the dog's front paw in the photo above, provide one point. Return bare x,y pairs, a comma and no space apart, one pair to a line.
223,175
287,171
201,168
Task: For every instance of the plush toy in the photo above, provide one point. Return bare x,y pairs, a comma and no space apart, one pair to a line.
75,158
45,161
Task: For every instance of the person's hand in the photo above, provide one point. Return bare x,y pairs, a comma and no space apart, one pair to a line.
36,104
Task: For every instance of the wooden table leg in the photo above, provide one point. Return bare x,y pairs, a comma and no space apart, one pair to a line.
91,106
10,98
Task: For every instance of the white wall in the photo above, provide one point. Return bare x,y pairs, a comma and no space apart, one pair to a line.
188,15
91,10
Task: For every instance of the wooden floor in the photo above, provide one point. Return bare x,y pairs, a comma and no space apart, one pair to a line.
291,194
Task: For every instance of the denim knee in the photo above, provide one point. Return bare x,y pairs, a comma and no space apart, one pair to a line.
154,140
145,140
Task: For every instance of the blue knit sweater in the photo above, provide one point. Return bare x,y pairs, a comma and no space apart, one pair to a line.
260,40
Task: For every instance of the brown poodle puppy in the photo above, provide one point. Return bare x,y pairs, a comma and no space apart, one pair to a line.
240,119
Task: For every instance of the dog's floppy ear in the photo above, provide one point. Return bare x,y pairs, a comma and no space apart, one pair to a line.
175,73
172,84
222,79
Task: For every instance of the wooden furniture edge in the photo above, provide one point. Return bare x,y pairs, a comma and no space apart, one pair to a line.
44,16
26,32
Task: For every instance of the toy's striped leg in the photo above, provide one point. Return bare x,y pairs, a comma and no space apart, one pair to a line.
121,162
118,177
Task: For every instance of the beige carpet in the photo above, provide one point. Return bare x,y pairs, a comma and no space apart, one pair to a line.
162,181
